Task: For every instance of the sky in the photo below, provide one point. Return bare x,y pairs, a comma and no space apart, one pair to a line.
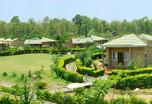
104,9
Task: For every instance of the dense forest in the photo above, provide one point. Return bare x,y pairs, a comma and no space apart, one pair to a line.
78,26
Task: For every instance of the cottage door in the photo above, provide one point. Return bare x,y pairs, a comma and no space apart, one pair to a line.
121,58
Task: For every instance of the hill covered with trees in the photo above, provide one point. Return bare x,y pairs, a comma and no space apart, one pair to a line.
78,26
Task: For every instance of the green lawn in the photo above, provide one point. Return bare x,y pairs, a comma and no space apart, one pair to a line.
21,64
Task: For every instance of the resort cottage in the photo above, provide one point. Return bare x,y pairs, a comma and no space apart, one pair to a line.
12,42
129,48
84,41
44,42
3,45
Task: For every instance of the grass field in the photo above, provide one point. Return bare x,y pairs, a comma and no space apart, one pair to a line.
21,64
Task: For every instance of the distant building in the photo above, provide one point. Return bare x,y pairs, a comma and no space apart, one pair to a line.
44,42
129,48
13,42
83,41
3,45
17,42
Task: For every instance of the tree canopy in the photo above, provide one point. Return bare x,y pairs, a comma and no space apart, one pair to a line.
78,26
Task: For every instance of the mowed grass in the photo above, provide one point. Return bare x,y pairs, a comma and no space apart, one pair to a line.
24,63
21,64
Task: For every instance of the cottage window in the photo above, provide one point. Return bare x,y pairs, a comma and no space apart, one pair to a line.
145,55
126,56
113,55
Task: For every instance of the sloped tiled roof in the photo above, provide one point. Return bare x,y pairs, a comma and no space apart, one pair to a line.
32,42
126,41
146,37
47,40
38,41
83,40
97,38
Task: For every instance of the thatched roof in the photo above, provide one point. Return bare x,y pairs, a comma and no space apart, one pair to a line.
126,41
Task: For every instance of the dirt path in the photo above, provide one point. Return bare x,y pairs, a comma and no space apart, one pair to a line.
6,84
71,66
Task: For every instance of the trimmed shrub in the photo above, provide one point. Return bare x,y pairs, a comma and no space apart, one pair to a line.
99,72
137,81
132,72
27,50
87,70
67,74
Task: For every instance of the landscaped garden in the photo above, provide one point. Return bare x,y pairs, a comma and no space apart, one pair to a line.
40,74
14,68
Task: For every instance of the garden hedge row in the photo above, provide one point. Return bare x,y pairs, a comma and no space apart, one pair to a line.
87,70
17,51
132,72
137,81
68,75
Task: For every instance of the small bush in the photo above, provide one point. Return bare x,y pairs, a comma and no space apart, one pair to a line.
40,85
29,73
4,74
22,76
14,74
132,65
37,74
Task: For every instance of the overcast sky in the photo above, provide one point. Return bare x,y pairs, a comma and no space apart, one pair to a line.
103,9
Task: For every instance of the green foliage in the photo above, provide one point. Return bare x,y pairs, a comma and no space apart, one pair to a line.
14,74
22,76
80,25
132,100
4,74
29,73
94,95
6,99
132,72
132,65
67,74
87,70
40,85
15,51
137,81
37,74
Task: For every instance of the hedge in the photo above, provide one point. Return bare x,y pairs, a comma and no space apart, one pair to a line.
87,70
137,81
132,72
15,51
67,74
